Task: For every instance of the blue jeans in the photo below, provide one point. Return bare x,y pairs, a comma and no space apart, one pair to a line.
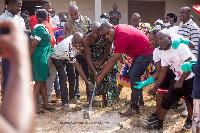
138,67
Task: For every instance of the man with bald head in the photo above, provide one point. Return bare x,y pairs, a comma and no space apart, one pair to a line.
97,50
188,28
135,44
77,23
63,56
135,20
181,85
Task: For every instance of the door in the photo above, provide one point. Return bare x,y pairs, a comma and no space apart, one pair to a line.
149,11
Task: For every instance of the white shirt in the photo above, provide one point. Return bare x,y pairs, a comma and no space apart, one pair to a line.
171,30
17,19
65,50
157,53
55,21
175,57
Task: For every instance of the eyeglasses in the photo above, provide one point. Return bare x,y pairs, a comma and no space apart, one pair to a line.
106,34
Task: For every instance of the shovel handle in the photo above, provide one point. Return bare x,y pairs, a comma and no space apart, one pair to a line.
91,101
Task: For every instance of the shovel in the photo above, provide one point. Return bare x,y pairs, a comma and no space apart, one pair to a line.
90,108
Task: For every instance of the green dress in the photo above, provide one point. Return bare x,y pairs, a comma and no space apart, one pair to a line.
40,56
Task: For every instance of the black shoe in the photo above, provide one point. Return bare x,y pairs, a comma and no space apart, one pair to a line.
157,124
188,124
152,118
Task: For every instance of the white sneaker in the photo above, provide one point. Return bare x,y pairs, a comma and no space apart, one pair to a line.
184,113
66,107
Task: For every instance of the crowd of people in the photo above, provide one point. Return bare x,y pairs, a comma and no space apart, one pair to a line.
61,49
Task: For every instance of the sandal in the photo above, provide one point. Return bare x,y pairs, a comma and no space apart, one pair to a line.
49,109
40,112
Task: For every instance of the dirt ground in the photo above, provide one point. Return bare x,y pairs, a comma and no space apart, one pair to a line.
105,120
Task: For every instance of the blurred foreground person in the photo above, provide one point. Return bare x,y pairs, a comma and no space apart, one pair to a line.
17,109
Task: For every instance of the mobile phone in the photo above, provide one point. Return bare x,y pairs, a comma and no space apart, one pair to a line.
4,30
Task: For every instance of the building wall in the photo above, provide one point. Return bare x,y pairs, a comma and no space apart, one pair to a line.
177,5
1,6
107,5
86,7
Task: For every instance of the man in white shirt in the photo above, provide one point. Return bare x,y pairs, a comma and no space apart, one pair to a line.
63,56
182,85
11,14
54,18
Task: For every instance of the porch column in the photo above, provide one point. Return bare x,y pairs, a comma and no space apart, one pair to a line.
97,10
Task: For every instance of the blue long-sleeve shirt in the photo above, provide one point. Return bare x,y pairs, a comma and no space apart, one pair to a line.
196,71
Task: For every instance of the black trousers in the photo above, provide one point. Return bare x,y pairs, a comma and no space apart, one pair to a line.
82,61
175,94
65,69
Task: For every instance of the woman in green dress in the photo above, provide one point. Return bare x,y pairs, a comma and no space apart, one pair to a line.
39,50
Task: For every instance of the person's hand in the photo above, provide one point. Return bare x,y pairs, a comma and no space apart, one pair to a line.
192,61
90,86
177,42
152,91
13,44
178,84
103,65
95,76
144,83
187,66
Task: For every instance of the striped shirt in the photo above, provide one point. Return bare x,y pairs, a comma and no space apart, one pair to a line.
191,31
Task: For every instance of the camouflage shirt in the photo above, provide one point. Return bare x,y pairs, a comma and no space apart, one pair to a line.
82,26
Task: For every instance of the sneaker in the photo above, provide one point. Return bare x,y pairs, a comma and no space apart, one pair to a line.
184,113
188,124
129,112
66,107
157,124
152,118
75,101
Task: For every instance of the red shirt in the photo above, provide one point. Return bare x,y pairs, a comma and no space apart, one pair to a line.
34,21
131,41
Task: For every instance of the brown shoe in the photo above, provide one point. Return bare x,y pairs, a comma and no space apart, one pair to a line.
129,112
